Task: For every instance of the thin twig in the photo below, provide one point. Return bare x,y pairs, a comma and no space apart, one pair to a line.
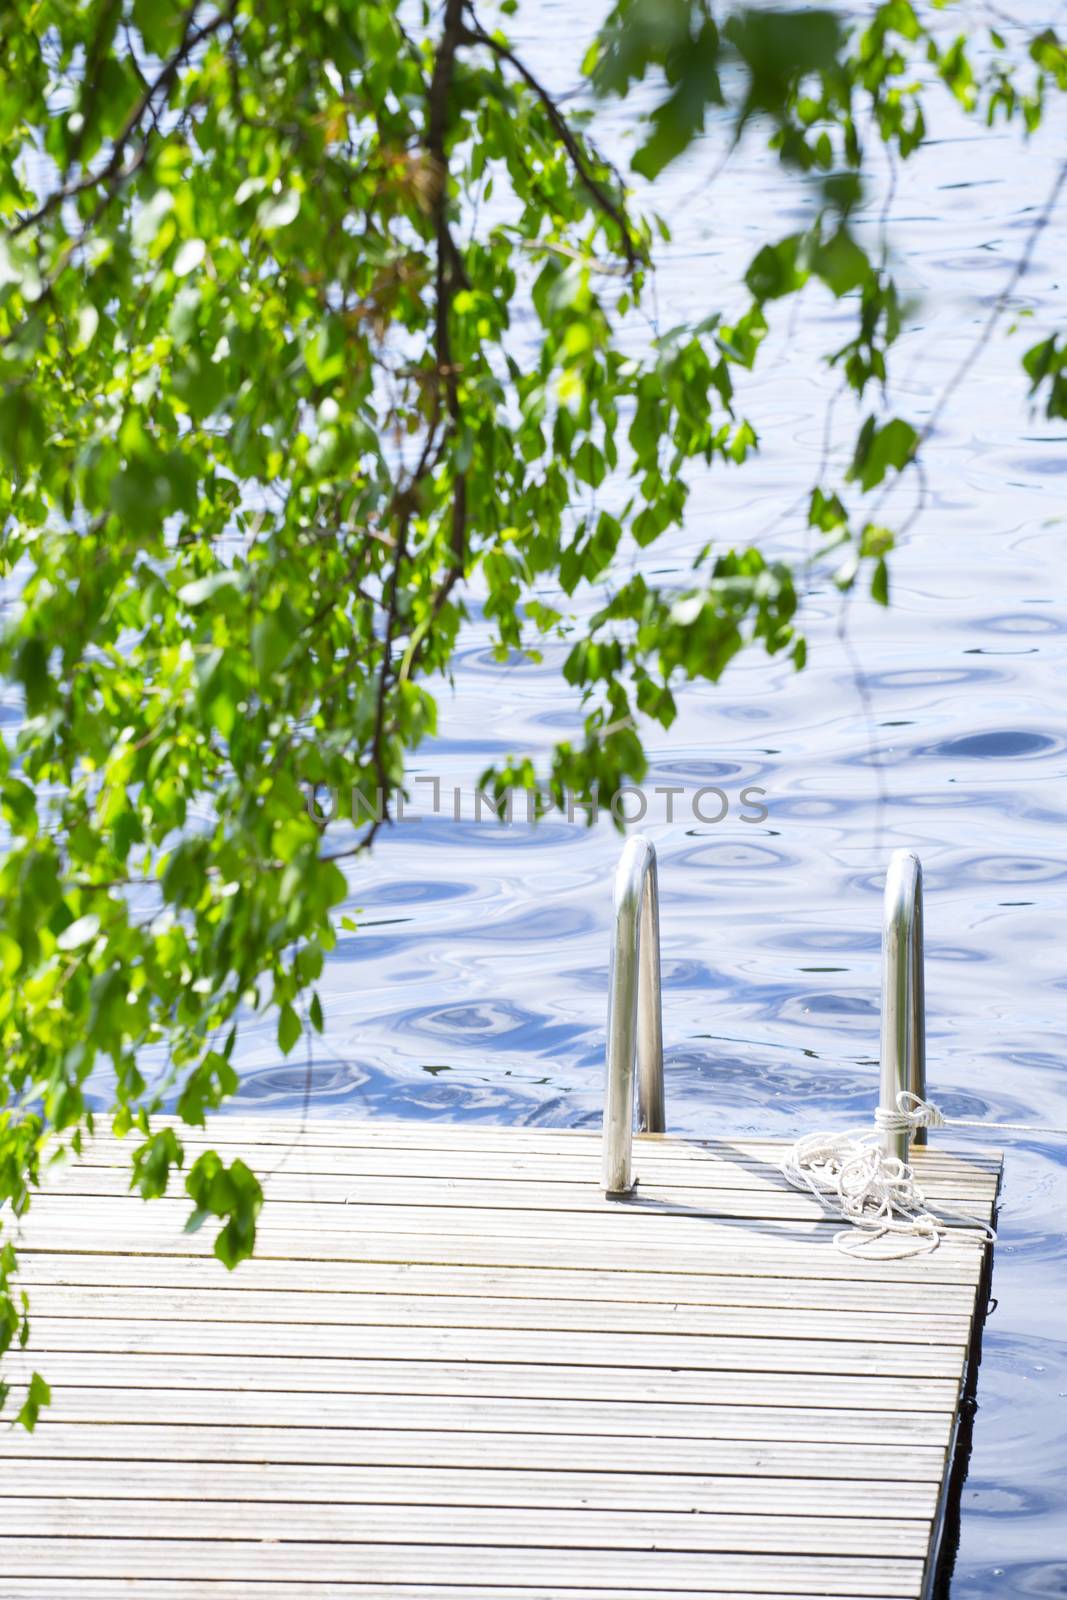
999,305
594,263
111,170
996,311
478,35
863,691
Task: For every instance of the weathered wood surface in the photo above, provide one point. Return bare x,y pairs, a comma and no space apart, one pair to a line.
455,1369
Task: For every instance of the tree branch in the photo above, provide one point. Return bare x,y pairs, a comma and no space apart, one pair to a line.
437,122
110,172
478,35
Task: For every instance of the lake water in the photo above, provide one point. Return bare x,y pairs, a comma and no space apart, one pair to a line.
475,988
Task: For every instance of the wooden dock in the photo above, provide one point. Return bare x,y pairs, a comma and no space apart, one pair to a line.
454,1369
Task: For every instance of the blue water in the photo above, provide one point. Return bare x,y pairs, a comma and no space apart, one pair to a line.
475,988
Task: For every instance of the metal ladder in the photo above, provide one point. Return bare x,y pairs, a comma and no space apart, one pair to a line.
635,1010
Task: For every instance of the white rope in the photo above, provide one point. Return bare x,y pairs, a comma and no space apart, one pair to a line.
877,1194
874,1193
914,1112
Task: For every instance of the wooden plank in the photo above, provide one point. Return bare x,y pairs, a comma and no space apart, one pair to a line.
288,1189
111,1168
533,1171
689,1353
351,1133
353,1447
414,1524
498,1238
220,1589
549,1160
254,1371
615,1572
290,1308
864,1292
890,1427
643,1490
817,1259
651,1152
618,1222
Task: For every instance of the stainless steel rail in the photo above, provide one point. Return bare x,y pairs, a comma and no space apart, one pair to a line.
903,993
635,1021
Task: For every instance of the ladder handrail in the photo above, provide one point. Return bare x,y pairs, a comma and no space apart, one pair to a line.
635,1019
635,1022
903,1052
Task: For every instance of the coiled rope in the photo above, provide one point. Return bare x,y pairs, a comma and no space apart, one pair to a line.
877,1194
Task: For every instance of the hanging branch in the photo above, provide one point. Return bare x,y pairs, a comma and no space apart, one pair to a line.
563,131
110,174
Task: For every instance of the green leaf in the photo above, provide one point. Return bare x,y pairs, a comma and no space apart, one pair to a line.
315,1014
776,270
22,431
150,219
880,582
230,1192
875,540
160,24
38,1396
152,1163
279,211
200,382
79,933
189,257
201,589
270,643
841,264
879,450
289,1029
589,465
1047,362
10,956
